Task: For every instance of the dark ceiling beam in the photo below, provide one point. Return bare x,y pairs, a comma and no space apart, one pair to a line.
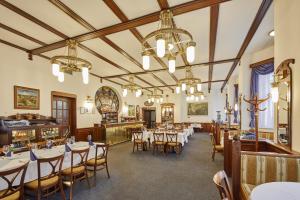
183,67
174,85
177,10
254,26
88,26
214,17
33,19
119,13
3,26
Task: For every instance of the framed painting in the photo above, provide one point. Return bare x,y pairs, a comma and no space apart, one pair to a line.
26,98
131,110
197,108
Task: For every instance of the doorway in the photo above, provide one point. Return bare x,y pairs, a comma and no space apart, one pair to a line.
149,117
63,109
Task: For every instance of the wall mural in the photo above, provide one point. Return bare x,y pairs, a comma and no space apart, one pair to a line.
197,108
106,100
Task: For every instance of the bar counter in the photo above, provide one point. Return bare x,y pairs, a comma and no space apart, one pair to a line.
115,133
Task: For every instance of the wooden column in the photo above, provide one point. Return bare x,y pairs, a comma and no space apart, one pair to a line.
227,153
236,169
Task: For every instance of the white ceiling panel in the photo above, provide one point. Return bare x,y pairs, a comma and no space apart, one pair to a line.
261,38
128,42
26,26
51,15
220,71
107,51
235,19
118,81
200,72
165,76
133,8
94,12
216,86
17,40
177,2
149,78
197,23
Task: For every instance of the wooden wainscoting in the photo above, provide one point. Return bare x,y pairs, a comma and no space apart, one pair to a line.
96,132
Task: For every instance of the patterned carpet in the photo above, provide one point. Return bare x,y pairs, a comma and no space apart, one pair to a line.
143,176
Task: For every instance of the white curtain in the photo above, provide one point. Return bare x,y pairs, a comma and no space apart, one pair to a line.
266,118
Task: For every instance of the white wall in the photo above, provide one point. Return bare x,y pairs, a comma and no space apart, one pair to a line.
287,45
16,69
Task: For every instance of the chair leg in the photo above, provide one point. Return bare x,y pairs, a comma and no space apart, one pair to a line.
213,155
133,146
71,189
62,190
87,179
107,170
95,181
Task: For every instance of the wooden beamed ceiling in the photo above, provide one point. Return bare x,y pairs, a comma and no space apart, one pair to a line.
131,24
254,26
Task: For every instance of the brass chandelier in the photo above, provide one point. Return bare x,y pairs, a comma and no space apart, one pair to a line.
70,63
166,46
155,97
189,83
195,96
131,86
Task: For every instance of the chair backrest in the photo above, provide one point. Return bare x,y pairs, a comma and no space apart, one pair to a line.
221,181
103,155
55,165
138,135
82,154
158,137
213,140
172,137
10,177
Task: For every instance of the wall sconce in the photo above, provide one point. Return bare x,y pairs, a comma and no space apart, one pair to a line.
87,106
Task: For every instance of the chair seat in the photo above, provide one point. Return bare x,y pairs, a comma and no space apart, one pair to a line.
173,143
159,143
138,141
14,196
91,162
76,170
246,190
44,183
219,147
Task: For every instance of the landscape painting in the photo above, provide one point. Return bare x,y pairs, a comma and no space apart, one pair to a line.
26,98
131,111
197,108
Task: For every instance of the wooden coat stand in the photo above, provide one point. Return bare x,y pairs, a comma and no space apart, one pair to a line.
255,102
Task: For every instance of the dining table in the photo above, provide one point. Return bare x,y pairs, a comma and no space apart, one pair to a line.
18,159
276,191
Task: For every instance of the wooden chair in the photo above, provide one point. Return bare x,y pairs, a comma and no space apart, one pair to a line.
215,147
9,176
172,143
77,171
100,161
221,181
47,185
159,142
138,141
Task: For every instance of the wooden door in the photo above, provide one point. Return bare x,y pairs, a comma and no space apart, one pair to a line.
149,117
64,111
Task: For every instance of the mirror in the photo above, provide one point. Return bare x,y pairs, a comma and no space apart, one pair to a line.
283,79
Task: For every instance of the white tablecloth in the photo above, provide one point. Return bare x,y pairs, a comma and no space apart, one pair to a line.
31,174
276,191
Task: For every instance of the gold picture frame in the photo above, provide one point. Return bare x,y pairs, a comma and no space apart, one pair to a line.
26,98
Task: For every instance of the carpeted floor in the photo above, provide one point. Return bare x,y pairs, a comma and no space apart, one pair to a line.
143,176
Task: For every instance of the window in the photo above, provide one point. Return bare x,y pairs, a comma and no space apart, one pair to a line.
266,118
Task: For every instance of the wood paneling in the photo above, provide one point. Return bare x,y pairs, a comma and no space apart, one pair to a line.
254,26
